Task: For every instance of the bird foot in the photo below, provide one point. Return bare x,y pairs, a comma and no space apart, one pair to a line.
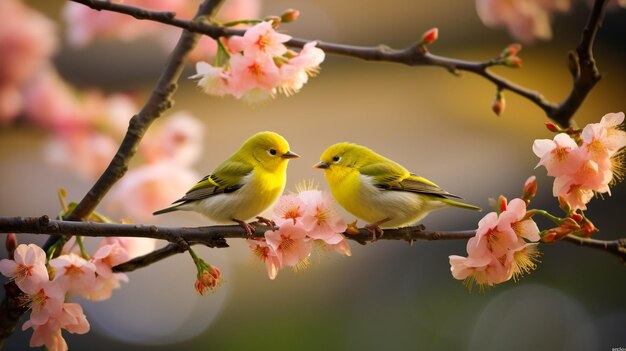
249,228
266,221
374,228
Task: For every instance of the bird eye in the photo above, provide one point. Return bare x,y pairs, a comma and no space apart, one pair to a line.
336,159
272,152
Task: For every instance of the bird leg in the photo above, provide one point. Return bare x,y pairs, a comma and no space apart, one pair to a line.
249,228
375,229
266,221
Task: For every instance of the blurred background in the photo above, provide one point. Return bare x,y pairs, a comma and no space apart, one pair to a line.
388,295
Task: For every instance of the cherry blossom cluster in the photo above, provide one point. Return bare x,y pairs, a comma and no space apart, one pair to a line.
259,65
84,25
504,247
46,284
526,20
584,163
305,219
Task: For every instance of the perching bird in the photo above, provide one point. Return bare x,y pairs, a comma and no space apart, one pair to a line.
242,186
379,190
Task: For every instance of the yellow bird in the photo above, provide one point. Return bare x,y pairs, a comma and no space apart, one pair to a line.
379,190
242,186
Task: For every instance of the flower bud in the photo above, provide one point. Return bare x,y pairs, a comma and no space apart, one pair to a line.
569,223
564,205
513,62
588,228
502,203
289,15
577,217
430,36
553,127
530,189
10,244
274,19
511,50
548,236
498,104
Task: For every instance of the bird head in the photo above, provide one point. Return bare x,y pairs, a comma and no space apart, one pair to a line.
268,150
343,157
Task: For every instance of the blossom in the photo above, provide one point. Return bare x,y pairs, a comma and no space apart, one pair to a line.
134,247
320,219
27,41
602,140
45,301
297,70
289,243
74,272
27,269
341,247
249,72
558,155
265,253
289,208
212,80
104,259
70,318
260,39
526,20
500,249
178,139
149,187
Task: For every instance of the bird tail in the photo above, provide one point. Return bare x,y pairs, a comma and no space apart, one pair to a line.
461,204
166,210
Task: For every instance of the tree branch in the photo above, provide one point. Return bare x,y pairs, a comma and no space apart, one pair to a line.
159,101
582,64
215,236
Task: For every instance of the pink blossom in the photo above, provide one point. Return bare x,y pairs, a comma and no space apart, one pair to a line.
341,247
559,156
212,80
576,195
105,258
134,247
178,139
74,272
86,152
260,39
522,260
46,301
27,269
149,187
498,238
70,318
513,218
297,70
526,20
602,140
290,208
265,253
289,243
27,41
249,72
321,220
480,267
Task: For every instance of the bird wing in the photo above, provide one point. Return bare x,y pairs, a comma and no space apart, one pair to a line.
392,176
226,179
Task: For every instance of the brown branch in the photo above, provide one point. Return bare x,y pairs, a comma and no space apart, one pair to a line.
159,101
583,67
582,64
215,236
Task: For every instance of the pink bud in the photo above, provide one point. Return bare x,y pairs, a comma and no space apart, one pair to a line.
289,15
588,228
530,189
513,62
502,203
549,236
577,217
512,50
11,244
498,104
553,127
430,36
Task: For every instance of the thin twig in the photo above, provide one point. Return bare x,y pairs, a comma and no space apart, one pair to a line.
582,64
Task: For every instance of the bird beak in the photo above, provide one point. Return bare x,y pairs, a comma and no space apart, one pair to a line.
290,154
321,165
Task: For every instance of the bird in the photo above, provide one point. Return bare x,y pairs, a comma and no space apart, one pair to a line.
379,190
242,186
